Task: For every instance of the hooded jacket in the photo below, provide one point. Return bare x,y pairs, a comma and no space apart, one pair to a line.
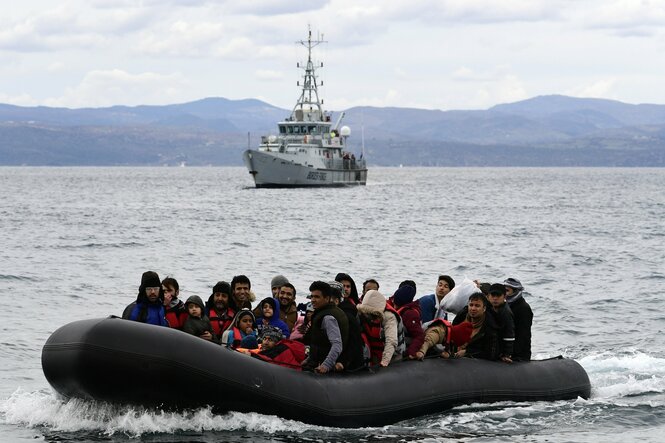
233,337
274,320
374,304
354,290
198,325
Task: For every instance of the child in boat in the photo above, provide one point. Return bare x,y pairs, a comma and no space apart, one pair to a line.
270,316
279,350
242,332
197,323
442,332
303,323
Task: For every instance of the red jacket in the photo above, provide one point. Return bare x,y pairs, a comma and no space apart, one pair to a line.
287,353
410,314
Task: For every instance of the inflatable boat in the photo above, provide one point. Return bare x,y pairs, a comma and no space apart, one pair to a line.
126,362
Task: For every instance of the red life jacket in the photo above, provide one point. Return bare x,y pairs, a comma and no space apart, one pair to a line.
176,318
372,334
291,356
445,323
237,338
221,323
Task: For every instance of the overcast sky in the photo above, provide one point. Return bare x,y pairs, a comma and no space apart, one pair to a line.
434,54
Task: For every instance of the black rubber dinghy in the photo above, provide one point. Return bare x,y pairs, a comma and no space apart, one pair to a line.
126,362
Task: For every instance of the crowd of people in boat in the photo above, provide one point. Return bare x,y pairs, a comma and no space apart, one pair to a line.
341,329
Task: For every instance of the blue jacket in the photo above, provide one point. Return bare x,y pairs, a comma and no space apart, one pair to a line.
153,313
428,308
274,320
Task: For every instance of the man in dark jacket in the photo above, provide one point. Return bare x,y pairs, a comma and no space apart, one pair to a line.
329,330
352,356
504,317
523,316
485,337
149,304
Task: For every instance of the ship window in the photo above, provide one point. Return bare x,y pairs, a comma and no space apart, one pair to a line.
282,130
311,129
296,129
303,129
289,129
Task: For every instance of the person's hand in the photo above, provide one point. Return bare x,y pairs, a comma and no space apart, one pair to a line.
248,330
339,367
506,359
460,353
445,354
321,369
206,336
420,355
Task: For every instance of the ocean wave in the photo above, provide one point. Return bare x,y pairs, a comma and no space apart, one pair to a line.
45,409
17,277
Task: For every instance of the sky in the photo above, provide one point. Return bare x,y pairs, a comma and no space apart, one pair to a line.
430,54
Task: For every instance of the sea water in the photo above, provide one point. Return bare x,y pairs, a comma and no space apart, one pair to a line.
588,245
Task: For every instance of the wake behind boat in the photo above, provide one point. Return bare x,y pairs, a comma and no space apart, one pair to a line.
128,362
308,151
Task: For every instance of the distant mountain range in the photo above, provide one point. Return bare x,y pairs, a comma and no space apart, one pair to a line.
543,131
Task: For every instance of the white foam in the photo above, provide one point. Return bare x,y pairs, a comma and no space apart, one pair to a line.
627,374
40,408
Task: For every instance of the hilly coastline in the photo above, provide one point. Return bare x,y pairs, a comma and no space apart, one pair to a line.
542,131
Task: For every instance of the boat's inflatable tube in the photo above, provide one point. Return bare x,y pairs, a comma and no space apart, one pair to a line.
126,362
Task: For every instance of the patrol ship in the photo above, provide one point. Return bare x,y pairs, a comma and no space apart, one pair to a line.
309,150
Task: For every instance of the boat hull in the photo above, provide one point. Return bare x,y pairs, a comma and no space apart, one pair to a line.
270,170
127,362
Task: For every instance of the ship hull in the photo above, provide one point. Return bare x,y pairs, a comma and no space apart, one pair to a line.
270,170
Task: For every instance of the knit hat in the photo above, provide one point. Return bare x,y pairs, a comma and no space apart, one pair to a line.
223,287
196,300
150,279
513,283
272,333
337,289
278,281
497,289
404,295
461,333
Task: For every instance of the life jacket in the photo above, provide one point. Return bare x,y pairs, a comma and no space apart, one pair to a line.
286,353
221,323
372,334
176,317
400,349
237,338
447,345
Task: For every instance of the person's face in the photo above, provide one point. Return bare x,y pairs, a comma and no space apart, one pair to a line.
370,286
152,293
169,294
194,310
347,287
476,308
221,300
509,291
267,310
496,300
241,291
308,316
245,324
442,288
286,295
267,344
318,300
275,292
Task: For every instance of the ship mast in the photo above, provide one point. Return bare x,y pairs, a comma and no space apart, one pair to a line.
309,97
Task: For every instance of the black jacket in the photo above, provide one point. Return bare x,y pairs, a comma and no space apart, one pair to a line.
352,355
523,316
485,344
